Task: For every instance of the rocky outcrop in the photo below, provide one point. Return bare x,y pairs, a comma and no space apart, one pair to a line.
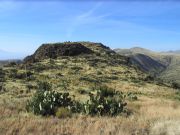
56,50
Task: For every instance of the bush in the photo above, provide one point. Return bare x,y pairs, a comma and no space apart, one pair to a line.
82,91
44,86
106,91
175,85
46,102
1,87
177,96
131,96
149,78
88,79
99,73
13,73
63,112
112,77
101,104
64,84
30,87
2,75
24,75
104,102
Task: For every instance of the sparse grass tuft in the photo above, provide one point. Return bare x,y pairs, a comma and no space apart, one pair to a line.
63,112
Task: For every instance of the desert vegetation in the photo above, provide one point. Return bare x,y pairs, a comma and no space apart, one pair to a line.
95,93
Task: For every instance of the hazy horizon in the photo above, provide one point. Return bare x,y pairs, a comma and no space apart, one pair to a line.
24,26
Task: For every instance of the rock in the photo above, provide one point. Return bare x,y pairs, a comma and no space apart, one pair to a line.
56,50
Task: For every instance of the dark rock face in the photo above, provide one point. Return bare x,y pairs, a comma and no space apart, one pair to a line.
56,50
29,59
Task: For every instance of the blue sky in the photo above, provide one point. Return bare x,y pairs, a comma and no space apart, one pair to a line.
26,25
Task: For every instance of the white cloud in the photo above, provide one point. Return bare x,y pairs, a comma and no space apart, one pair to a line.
90,12
85,18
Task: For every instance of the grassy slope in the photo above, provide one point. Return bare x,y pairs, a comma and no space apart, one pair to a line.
171,60
156,107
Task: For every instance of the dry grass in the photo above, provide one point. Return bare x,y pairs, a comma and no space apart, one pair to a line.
166,127
154,113
150,116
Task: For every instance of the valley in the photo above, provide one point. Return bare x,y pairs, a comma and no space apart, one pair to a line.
164,65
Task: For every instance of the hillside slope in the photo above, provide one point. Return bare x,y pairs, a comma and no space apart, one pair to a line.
165,65
147,63
148,102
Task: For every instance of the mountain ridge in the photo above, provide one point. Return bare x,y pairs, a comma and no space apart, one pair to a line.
168,63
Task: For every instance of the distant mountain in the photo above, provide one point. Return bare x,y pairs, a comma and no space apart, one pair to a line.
165,65
173,52
5,55
133,50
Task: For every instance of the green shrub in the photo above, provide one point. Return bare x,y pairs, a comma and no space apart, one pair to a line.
149,78
106,91
82,91
88,79
13,73
30,87
2,75
175,85
112,77
64,84
44,86
101,104
63,112
99,73
131,96
76,68
17,75
1,87
105,102
177,96
39,67
46,102
135,80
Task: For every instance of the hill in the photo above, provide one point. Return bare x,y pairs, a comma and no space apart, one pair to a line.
82,69
147,64
134,50
165,65
173,52
56,50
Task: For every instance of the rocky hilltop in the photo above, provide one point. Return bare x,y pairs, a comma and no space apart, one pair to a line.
55,50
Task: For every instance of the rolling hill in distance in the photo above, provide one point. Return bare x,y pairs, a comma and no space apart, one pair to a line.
163,65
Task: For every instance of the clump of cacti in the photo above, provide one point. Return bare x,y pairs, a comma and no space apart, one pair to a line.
104,102
46,102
